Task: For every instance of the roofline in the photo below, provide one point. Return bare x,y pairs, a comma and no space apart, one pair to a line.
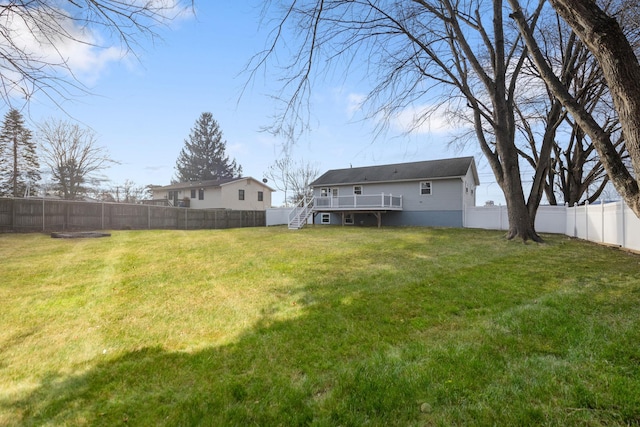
247,178
201,184
472,165
440,178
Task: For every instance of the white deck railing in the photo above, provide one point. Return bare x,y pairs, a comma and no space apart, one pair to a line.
359,201
300,213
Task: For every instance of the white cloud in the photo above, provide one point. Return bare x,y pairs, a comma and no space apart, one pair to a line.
425,119
355,102
74,51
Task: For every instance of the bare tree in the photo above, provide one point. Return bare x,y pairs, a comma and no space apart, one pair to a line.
73,157
278,174
294,176
35,34
575,173
606,40
127,192
300,177
461,52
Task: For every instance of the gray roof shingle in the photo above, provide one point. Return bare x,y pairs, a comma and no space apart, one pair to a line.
430,169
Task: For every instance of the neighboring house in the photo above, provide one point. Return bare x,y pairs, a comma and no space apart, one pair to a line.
246,194
428,193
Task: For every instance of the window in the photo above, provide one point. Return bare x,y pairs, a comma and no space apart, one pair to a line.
348,218
240,194
325,218
260,196
357,189
326,191
193,194
425,188
201,194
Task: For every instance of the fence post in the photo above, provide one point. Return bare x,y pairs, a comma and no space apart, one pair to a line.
602,221
43,216
13,214
624,225
586,220
149,217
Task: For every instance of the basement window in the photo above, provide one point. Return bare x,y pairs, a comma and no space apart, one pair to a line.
325,218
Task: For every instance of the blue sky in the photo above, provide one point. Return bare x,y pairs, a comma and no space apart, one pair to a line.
142,110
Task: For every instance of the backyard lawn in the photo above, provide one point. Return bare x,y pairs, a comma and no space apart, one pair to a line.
325,326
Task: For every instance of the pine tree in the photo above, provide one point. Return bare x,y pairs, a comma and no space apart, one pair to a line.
203,157
19,167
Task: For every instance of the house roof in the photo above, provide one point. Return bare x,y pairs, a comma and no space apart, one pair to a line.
429,169
206,184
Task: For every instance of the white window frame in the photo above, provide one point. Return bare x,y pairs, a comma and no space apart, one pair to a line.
325,218
328,191
426,185
358,190
349,219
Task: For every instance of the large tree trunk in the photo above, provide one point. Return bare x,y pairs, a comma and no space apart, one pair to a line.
605,39
521,220
505,166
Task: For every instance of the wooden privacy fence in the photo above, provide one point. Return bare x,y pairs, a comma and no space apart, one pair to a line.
35,214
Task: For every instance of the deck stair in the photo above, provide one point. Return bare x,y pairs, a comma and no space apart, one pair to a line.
300,213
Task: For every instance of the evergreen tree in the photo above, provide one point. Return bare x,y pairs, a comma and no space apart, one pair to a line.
203,156
19,167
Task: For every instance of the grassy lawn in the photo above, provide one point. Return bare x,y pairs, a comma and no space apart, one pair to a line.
323,326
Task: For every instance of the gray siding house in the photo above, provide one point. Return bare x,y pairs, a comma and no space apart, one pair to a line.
427,193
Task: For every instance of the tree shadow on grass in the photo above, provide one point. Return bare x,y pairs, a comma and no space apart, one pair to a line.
361,352
326,366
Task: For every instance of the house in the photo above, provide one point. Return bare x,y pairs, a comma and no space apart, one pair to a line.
427,193
245,193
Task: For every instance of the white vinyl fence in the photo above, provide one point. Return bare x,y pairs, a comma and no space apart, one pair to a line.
608,223
278,216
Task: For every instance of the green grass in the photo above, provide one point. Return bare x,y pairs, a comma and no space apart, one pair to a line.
323,326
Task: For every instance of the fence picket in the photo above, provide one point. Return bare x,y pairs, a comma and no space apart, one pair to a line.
38,214
611,223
